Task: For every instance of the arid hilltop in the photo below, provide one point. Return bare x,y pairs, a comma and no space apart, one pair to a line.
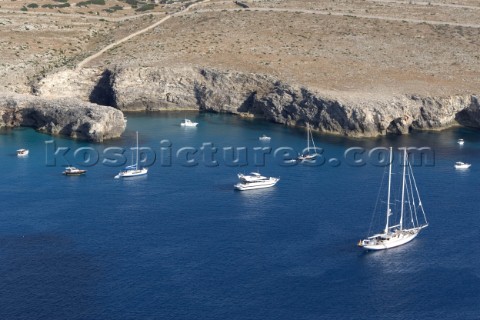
393,61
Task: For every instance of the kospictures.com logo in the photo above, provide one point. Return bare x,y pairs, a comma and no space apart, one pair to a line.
210,155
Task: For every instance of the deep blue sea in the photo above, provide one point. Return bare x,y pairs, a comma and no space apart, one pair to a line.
180,243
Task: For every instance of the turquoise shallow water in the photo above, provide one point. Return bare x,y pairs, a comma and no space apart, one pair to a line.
181,244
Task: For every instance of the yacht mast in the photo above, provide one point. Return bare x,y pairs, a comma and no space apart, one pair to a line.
136,165
308,139
313,143
389,184
403,186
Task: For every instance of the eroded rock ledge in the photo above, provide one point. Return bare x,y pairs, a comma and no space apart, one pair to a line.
62,116
346,113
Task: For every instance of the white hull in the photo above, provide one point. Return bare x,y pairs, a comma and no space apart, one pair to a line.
131,173
256,185
22,152
188,123
391,241
72,171
309,157
462,166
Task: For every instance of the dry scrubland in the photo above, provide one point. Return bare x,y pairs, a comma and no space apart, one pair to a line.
361,47
41,40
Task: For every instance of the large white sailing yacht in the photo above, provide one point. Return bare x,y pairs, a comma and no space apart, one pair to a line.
403,226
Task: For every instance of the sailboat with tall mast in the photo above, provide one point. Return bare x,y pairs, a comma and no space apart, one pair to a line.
404,226
309,155
134,170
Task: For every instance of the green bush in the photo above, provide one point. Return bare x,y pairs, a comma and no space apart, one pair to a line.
86,3
113,9
32,5
133,3
149,6
51,6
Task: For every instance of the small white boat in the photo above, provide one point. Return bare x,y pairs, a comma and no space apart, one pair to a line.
254,181
133,170
462,165
265,138
460,142
22,152
402,224
72,171
188,123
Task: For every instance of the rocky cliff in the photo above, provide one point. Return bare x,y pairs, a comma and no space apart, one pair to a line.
69,117
346,113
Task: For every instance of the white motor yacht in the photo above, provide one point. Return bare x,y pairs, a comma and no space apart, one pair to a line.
72,171
462,165
188,123
254,181
264,138
22,152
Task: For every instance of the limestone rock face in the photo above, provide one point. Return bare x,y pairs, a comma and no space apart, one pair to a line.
470,116
68,84
69,117
347,113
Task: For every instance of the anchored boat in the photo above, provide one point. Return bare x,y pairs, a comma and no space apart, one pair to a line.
188,123
72,171
309,155
254,181
134,170
22,152
403,221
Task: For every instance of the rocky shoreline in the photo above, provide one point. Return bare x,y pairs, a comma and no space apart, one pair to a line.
88,103
209,90
68,117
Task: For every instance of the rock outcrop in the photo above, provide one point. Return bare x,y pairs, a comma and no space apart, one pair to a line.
346,113
69,117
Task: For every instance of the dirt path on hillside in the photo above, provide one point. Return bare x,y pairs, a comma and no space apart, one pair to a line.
116,43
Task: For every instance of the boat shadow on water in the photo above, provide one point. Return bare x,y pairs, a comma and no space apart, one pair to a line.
254,193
